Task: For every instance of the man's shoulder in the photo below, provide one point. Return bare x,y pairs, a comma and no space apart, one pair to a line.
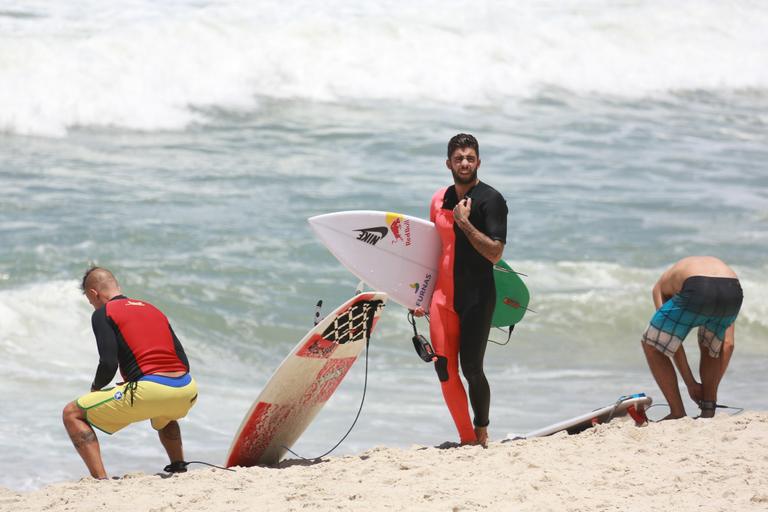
128,304
488,190
441,191
438,197
486,196
99,313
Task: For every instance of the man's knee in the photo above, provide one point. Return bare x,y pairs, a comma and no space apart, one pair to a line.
441,367
472,368
654,351
475,376
71,412
645,346
171,431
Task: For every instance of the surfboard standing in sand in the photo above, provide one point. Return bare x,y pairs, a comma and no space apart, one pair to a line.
305,381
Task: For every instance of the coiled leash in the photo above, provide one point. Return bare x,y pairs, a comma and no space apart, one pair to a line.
420,343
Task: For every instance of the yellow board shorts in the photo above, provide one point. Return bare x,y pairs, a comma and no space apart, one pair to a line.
112,409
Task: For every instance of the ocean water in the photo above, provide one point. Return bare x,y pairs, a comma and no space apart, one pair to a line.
185,143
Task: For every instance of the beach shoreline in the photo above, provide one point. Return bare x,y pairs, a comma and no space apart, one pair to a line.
687,464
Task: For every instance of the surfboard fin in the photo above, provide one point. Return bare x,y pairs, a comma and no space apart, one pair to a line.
508,271
318,308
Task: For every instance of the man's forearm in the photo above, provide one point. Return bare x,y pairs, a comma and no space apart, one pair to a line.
488,248
681,361
104,374
658,298
727,349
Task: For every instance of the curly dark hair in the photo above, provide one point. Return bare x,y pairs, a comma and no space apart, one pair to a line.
463,140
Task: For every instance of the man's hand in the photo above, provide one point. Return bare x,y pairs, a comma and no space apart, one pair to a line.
488,248
694,390
418,312
461,212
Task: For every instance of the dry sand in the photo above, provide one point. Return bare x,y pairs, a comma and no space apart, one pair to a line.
703,465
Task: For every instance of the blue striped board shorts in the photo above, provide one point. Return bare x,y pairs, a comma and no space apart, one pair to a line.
709,303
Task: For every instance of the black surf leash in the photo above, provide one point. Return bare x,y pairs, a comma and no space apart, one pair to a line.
738,410
357,416
180,466
509,335
720,406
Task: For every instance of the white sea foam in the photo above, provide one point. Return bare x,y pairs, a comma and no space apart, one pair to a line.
45,334
153,66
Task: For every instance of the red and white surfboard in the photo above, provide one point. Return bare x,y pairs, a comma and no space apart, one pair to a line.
304,381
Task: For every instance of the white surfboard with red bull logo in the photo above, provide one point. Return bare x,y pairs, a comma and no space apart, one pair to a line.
391,252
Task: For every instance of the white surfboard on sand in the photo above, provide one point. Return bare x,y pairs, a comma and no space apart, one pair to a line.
388,251
633,405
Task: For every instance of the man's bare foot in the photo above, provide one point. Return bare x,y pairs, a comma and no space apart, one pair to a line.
482,436
671,417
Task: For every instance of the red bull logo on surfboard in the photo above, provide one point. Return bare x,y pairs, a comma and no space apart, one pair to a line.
400,227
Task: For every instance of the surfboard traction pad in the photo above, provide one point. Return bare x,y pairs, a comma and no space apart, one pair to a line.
273,427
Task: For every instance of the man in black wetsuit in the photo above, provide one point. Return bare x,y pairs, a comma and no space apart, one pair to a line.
471,219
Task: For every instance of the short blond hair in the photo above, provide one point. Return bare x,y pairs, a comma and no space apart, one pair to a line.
97,277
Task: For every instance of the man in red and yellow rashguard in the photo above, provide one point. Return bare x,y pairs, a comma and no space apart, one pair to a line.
135,337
